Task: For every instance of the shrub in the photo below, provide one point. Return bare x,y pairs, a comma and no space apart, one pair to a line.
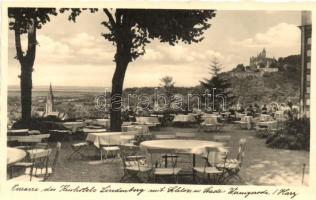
295,135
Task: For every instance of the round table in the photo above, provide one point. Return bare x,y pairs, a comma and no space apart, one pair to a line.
196,147
14,155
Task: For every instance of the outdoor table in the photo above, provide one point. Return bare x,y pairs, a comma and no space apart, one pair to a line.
240,115
206,115
269,124
184,118
14,155
108,138
150,121
246,120
94,130
14,132
73,126
140,129
102,122
264,117
194,147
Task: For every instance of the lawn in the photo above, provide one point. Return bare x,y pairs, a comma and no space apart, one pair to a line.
261,166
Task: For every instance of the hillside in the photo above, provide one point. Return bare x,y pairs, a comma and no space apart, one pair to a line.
254,87
263,88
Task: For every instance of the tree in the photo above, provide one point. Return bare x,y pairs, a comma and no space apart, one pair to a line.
167,84
131,29
27,21
218,83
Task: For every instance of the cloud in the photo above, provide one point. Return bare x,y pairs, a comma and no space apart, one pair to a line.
178,54
81,40
48,46
282,35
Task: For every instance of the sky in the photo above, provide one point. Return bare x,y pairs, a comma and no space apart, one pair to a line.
75,54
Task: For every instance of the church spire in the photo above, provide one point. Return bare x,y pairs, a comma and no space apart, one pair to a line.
50,100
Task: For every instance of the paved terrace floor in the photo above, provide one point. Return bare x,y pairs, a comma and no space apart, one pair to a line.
261,166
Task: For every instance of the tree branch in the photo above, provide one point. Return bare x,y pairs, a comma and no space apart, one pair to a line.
112,21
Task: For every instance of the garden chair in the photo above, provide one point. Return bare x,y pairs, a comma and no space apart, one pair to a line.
44,140
211,160
134,163
47,171
110,149
78,148
38,165
211,124
166,171
233,166
245,122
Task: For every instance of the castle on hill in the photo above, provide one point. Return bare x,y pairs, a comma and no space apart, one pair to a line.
262,63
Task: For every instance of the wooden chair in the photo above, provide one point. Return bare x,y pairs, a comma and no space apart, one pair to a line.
109,149
47,171
37,167
171,170
212,158
233,166
134,163
78,148
211,124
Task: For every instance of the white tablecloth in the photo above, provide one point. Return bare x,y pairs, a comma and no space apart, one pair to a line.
269,124
74,126
14,155
108,138
264,118
102,122
184,118
139,129
147,120
197,147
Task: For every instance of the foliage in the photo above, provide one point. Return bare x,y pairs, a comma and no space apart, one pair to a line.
130,30
136,27
219,83
295,135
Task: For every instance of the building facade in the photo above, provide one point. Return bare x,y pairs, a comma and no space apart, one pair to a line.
306,44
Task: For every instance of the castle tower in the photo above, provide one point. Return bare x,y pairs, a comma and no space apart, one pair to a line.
264,53
50,101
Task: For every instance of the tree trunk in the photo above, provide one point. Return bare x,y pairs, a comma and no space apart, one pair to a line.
26,93
26,62
122,61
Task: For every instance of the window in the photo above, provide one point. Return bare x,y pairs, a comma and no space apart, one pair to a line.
308,90
308,65
309,40
308,53
307,102
308,77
